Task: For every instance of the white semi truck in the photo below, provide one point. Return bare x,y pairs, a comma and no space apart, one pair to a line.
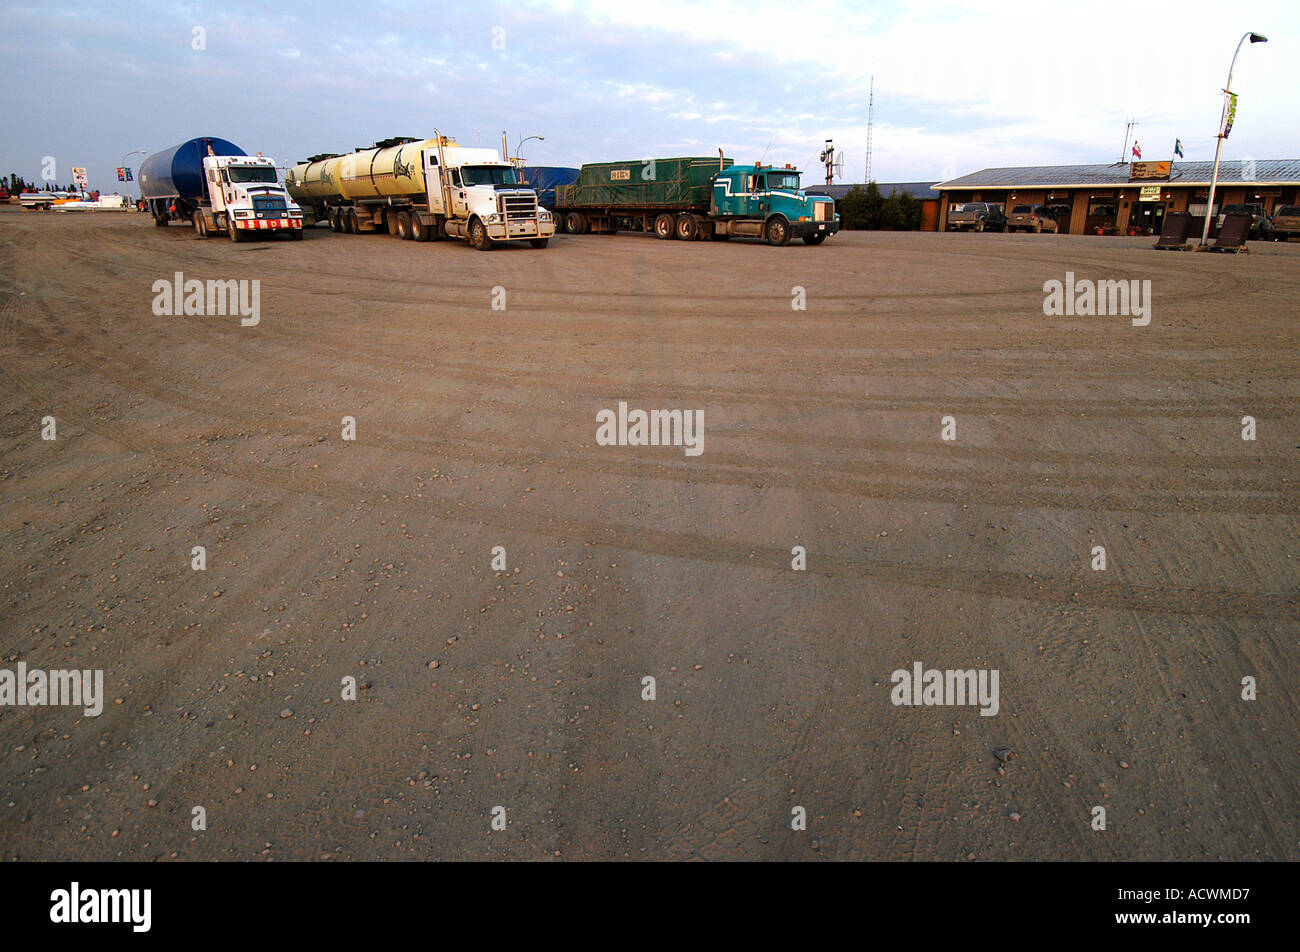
211,184
422,190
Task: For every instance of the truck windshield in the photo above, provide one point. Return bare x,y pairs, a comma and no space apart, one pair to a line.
783,180
489,175
251,173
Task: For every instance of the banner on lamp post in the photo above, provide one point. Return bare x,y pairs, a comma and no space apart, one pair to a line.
1229,113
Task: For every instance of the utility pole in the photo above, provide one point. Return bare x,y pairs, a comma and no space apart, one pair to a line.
871,109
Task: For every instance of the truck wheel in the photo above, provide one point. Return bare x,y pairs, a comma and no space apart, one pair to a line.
199,228
665,226
404,225
539,242
979,225
478,235
686,228
236,234
352,222
575,223
335,220
419,230
295,234
157,222
778,231
390,223
814,239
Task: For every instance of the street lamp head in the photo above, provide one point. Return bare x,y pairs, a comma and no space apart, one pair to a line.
1258,38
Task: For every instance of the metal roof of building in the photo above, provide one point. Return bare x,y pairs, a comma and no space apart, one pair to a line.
915,189
1231,172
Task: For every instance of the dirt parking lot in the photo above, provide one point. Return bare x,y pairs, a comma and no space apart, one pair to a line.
329,559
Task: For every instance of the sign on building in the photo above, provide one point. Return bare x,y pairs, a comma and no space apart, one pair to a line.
1149,193
1148,170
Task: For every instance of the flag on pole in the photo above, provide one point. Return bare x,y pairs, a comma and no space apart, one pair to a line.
1137,149
128,174
1178,148
121,174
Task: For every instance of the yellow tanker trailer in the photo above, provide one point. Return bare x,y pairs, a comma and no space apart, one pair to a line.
422,189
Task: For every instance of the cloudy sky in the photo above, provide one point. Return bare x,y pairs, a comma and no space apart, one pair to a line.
959,85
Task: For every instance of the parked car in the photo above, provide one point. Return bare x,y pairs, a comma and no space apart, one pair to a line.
1286,222
1260,225
1030,218
977,216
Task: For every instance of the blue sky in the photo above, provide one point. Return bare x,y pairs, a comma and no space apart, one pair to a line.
959,85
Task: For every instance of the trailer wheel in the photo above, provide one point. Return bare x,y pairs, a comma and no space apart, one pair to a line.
686,228
575,223
352,222
404,226
665,226
335,223
778,231
478,235
390,222
199,228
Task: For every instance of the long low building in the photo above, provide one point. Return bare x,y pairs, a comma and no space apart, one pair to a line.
1126,198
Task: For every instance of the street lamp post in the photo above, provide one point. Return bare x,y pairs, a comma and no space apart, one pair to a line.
519,158
126,185
1218,149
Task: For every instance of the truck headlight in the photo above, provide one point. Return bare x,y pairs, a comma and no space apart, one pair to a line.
493,218
543,214
242,213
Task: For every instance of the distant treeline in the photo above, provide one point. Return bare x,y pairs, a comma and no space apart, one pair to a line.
17,184
865,209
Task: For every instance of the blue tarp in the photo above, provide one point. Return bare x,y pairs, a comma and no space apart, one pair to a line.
545,179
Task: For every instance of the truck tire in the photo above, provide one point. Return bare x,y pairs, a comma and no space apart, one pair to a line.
404,226
199,228
575,223
352,222
419,230
979,225
778,231
236,234
157,222
814,239
665,227
390,223
478,235
295,234
539,242
687,228
335,220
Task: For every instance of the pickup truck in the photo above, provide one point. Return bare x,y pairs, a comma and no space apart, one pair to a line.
1286,222
1261,226
976,216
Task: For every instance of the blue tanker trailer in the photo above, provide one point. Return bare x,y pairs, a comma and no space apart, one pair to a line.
214,185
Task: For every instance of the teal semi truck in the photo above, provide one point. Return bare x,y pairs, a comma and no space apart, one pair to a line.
696,198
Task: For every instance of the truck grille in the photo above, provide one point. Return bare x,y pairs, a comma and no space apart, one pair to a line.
823,211
268,204
518,205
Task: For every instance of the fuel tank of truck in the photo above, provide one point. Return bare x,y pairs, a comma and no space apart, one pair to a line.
390,169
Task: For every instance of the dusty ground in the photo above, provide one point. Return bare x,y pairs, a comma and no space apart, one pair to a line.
475,428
